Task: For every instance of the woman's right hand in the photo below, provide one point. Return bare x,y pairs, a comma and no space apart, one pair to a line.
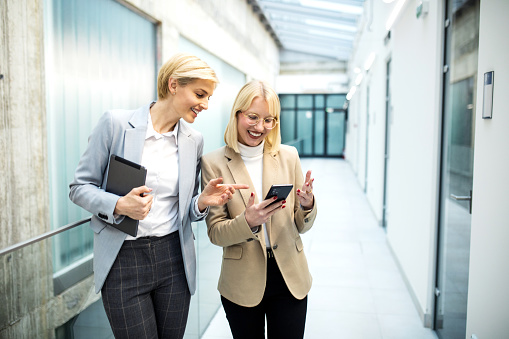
136,204
257,214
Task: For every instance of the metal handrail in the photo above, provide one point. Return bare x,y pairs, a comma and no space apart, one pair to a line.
42,236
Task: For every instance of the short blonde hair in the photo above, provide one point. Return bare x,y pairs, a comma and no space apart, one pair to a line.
246,95
185,68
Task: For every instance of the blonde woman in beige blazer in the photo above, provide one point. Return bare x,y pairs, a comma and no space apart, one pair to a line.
264,270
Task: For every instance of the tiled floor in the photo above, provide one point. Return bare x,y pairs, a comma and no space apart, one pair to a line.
357,290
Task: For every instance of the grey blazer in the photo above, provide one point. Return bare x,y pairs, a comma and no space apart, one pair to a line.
122,132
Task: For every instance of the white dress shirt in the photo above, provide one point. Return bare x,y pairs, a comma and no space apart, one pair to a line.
160,158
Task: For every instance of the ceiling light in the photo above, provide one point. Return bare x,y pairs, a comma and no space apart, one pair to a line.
394,14
330,6
358,79
332,35
330,25
351,92
387,1
369,61
357,70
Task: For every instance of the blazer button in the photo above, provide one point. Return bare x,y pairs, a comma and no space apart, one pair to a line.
103,216
274,247
306,220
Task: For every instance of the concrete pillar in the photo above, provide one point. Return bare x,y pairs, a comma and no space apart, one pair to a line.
28,308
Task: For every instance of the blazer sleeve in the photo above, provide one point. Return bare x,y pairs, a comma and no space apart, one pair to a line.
304,219
85,189
223,228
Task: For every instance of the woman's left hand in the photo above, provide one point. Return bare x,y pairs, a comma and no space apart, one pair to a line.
305,194
216,194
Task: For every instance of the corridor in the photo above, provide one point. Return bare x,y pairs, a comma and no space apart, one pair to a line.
358,291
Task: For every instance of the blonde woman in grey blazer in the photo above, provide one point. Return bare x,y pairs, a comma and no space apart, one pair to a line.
147,281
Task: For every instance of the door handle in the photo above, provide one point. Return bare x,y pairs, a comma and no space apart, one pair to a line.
464,198
461,197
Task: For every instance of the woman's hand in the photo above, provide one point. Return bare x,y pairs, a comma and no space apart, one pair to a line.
216,194
136,204
305,195
260,213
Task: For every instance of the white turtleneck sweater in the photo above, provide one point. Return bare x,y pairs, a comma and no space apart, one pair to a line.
253,159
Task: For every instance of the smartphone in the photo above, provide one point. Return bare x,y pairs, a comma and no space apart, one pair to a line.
279,191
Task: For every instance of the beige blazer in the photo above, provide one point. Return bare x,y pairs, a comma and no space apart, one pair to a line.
244,267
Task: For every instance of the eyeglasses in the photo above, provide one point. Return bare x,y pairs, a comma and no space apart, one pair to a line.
253,119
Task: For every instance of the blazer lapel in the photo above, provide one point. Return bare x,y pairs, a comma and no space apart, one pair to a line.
134,139
187,168
270,172
240,174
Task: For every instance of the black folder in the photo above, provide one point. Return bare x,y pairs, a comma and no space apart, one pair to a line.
123,176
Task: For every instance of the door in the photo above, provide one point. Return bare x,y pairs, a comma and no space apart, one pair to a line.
460,77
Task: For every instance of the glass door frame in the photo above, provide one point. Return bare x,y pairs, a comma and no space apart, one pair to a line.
446,97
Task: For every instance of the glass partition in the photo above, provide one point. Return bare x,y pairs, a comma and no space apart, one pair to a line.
99,55
314,123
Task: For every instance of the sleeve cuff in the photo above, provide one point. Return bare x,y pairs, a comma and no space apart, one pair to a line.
197,210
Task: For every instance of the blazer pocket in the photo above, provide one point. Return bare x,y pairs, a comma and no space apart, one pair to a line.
233,252
299,244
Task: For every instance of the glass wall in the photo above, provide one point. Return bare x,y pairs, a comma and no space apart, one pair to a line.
211,123
314,123
99,55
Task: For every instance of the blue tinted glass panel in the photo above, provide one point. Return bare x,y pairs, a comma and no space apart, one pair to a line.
287,125
319,147
336,100
305,101
335,133
319,101
305,131
287,100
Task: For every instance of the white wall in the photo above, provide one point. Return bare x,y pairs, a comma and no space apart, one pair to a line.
415,53
414,150
488,293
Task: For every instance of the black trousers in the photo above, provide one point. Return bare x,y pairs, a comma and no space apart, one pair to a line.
145,294
286,315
